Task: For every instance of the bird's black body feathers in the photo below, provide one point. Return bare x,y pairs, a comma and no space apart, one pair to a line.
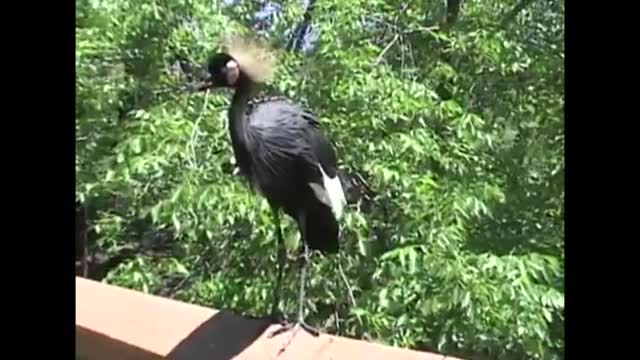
278,151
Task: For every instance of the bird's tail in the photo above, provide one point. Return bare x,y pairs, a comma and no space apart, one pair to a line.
322,229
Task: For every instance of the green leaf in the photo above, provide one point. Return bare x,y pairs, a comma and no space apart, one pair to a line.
136,145
176,222
110,175
359,312
413,256
383,298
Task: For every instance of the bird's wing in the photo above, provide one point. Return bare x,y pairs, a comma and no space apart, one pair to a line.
287,144
278,135
331,192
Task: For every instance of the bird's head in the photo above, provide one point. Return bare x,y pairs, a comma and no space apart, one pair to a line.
240,61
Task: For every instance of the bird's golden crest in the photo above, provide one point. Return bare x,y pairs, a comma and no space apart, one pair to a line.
254,57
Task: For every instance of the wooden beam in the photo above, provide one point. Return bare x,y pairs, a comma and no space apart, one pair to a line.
118,323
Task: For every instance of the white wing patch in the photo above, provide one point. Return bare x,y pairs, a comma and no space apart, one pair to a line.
331,194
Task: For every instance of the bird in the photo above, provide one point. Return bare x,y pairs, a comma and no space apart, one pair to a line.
281,149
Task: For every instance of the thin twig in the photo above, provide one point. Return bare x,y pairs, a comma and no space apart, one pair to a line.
172,292
413,60
192,159
349,289
404,7
386,48
172,89
421,29
399,35
402,51
366,185
396,36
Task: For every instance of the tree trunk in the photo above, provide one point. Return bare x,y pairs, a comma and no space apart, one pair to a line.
453,10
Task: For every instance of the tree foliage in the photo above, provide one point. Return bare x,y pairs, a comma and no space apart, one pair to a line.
452,117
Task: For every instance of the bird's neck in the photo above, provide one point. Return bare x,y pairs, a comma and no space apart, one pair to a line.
237,112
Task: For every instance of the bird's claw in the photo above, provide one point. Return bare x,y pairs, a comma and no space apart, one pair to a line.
311,330
278,318
300,324
295,328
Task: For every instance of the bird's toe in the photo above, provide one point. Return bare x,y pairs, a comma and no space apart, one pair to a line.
295,326
285,326
278,317
308,328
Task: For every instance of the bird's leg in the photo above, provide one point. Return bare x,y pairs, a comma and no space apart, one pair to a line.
276,315
301,322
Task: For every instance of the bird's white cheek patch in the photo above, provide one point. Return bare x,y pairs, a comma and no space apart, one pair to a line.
232,72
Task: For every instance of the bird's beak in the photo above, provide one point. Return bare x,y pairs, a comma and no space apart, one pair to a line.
201,81
201,84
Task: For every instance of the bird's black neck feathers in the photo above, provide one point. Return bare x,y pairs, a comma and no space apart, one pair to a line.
242,96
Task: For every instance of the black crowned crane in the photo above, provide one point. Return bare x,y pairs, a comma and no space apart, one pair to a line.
281,150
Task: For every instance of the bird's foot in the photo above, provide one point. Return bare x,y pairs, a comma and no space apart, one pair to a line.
278,318
300,324
294,327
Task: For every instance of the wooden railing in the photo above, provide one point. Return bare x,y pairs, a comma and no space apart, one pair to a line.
118,324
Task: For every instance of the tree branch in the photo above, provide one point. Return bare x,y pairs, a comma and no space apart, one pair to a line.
386,48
